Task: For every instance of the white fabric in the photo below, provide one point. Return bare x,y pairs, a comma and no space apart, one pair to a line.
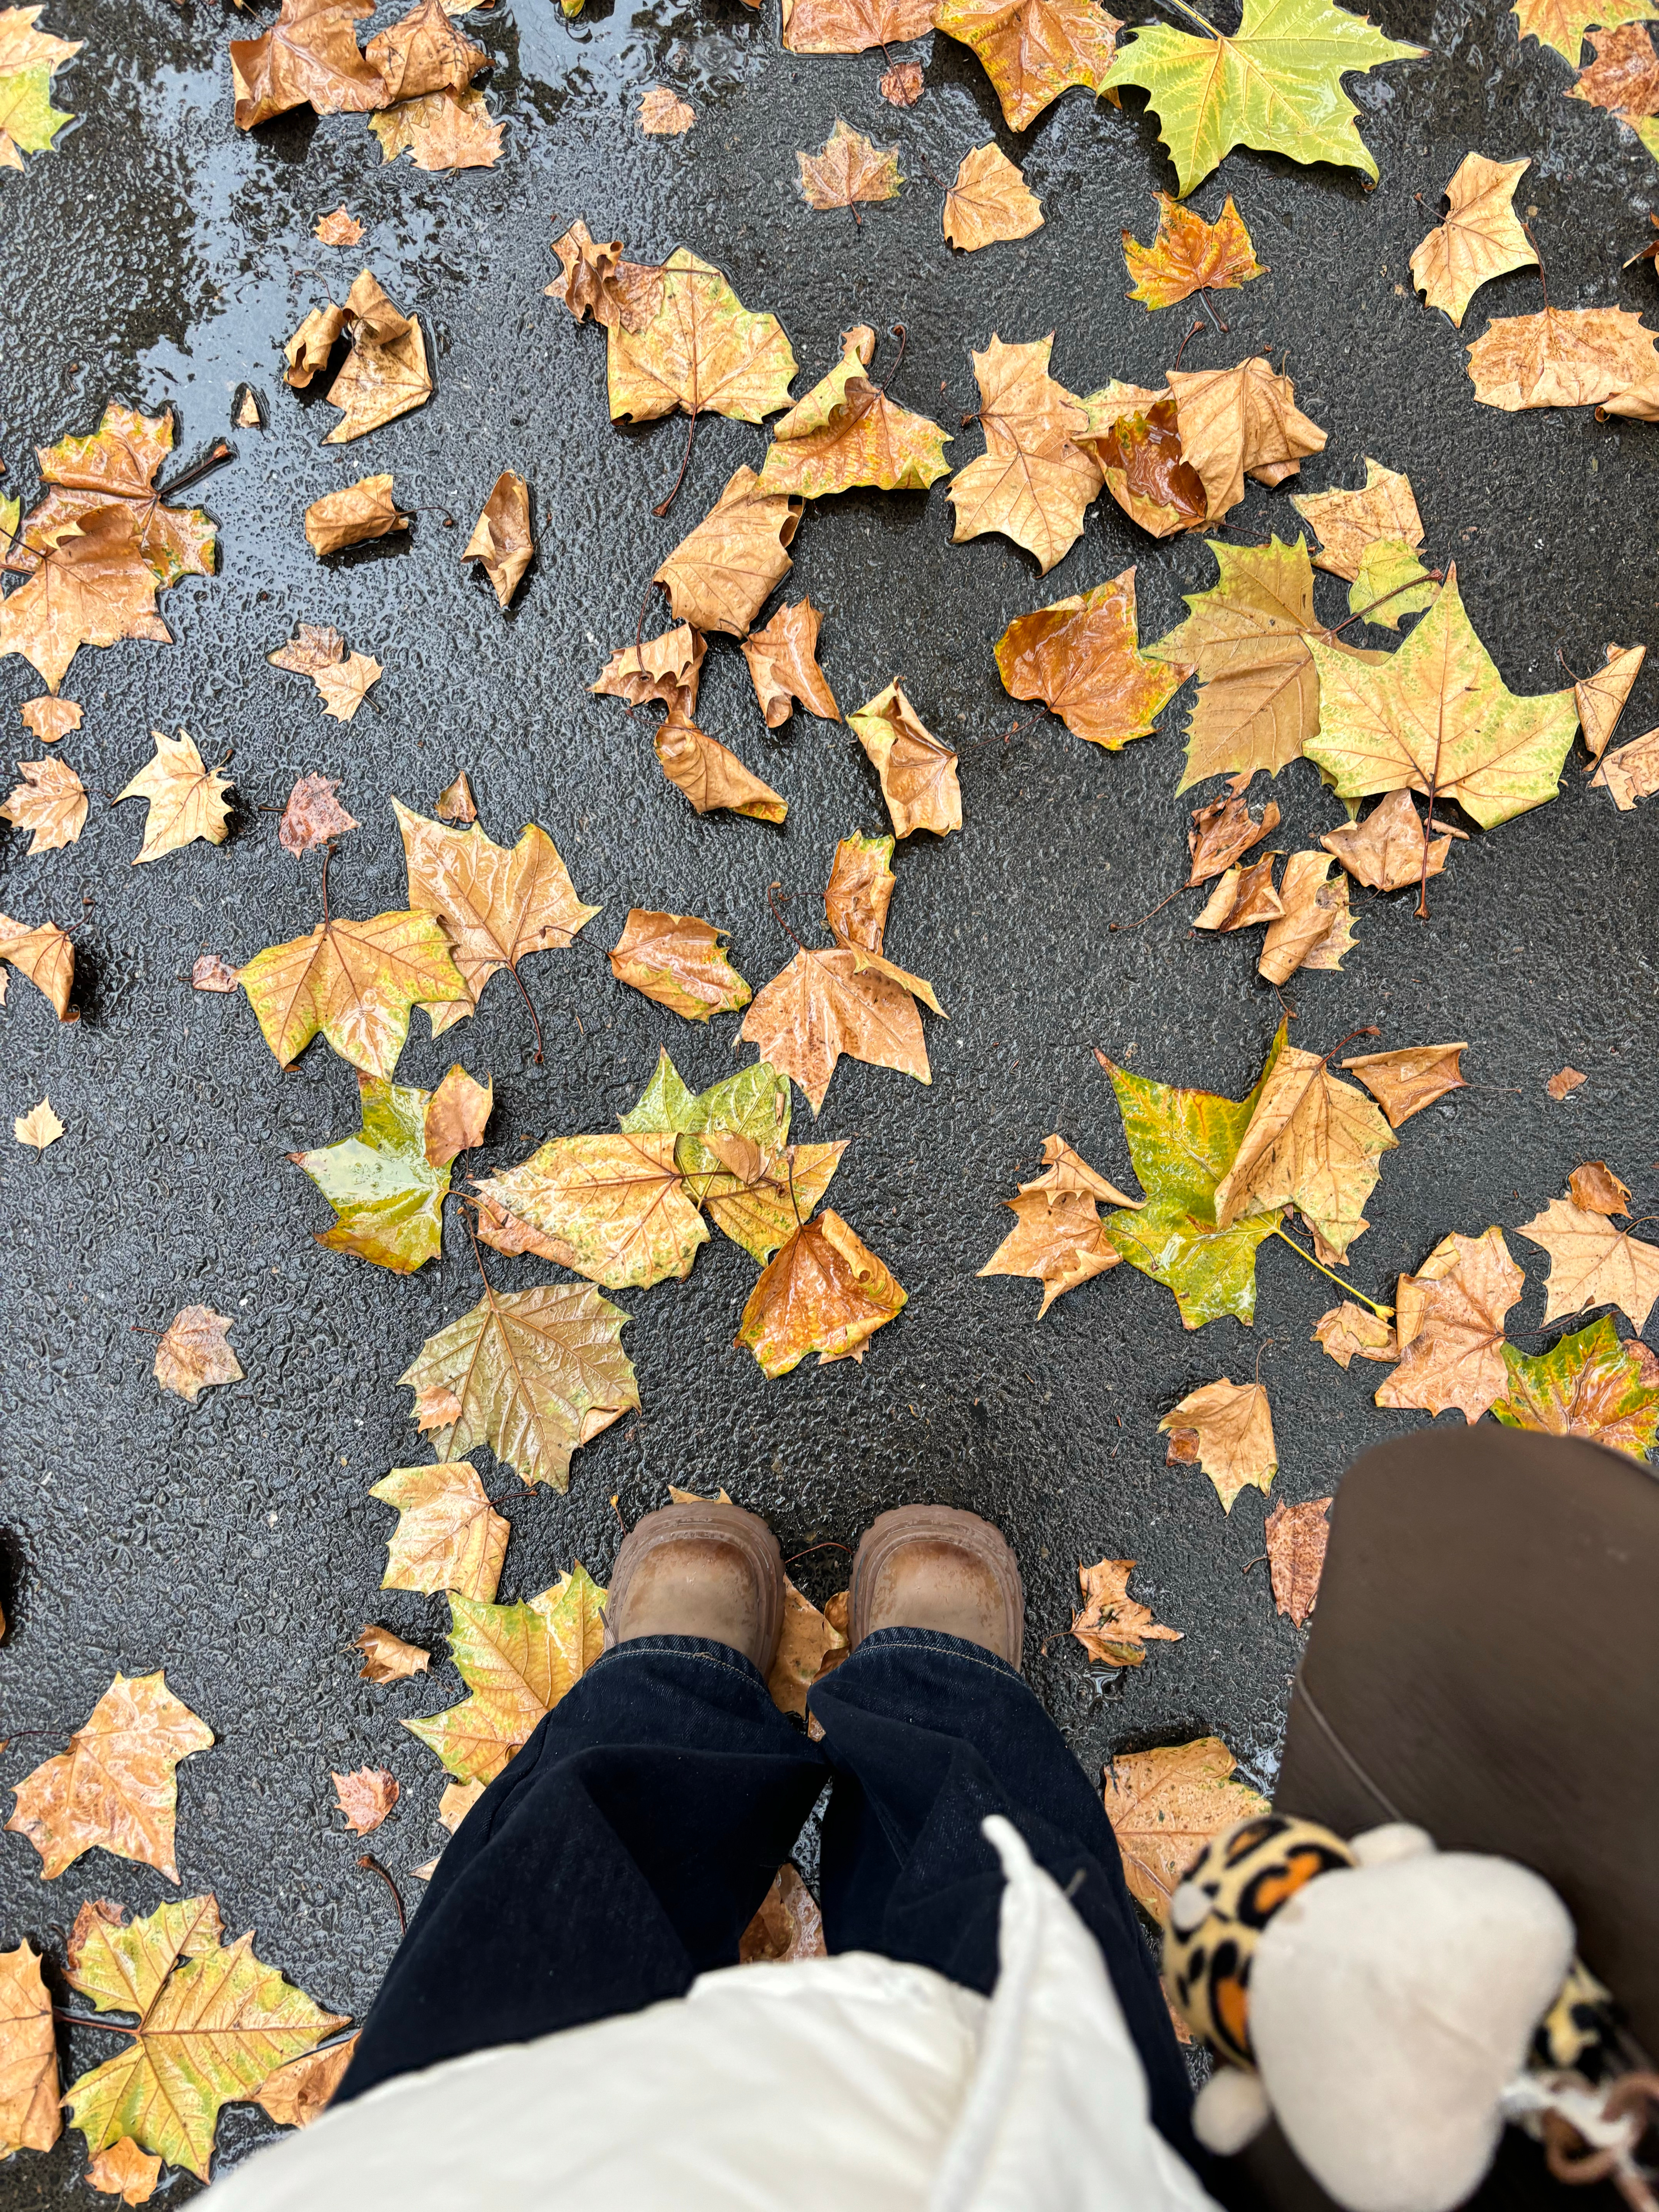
850,2081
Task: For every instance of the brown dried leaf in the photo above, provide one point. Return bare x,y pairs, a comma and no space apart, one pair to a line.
821,1006
1595,1188
719,576
1315,929
663,114
902,86
847,168
1481,236
309,350
456,1115
1449,1319
1631,772
1243,897
424,51
342,689
442,131
193,1355
51,801
500,538
853,27
711,776
1057,1240
1564,1082
340,228
29,2115
367,1796
808,1647
386,1657
309,55
45,954
1165,1806
678,962
91,585
989,201
1347,522
295,2094
1562,357
1033,479
667,668
1403,1082
1624,78
783,667
448,1536
39,1127
353,515
1112,1627
1601,698
455,802
1592,1263
383,375
213,972
312,816
1227,1429
50,719
788,1924
918,772
115,1786
247,416
1081,657
1296,1537
1241,421
1349,1332
1135,436
823,1292
1385,851
1222,831
860,891
125,2171
596,280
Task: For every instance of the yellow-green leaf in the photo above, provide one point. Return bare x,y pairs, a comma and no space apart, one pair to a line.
356,981
701,350
518,1661
388,1195
1392,581
1588,1384
611,1207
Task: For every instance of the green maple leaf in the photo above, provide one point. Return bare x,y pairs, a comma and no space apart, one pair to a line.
1182,1143
1276,83
1588,1384
518,1661
387,1194
1437,717
27,117
754,1102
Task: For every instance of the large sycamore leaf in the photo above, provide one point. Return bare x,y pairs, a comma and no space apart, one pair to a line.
1240,422
388,1183
989,203
1592,1263
1562,23
1034,480
852,27
186,798
1449,1320
823,1292
115,1787
90,585
309,55
356,981
448,1536
502,539
1227,1429
28,2056
1189,255
1437,716
1586,1385
518,1661
1567,357
385,373
918,770
1032,49
425,50
823,1005
498,905
532,1374
1312,1143
678,960
701,350
719,576
1480,238
1081,657
845,432
121,1965
612,1208
1165,1806
1058,1238
1275,84
1112,1627
117,461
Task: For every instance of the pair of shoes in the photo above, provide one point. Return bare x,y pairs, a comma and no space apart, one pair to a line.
715,1572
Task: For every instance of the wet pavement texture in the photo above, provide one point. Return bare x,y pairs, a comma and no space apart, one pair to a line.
162,258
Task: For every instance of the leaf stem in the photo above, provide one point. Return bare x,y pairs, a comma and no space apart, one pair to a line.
222,452
1383,1313
535,1017
84,2020
663,505
374,1866
1434,789
1431,575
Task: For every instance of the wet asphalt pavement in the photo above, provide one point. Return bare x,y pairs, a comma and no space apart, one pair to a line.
162,258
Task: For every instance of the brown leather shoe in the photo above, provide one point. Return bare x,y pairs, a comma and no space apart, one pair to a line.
931,1566
702,1570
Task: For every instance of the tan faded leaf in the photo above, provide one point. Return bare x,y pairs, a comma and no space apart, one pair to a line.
367,1796
719,576
386,1657
700,350
1242,898
295,2094
340,228
1114,1627
425,50
679,962
853,27
918,772
1592,1263
1349,1331
821,1006
823,1292
309,350
500,538
352,516
384,374
51,801
313,646
1448,1317
1564,1082
612,1208
1480,237
1081,657
455,803
1595,1188
1165,1806
186,799
1624,78
1601,698
902,85
355,982
807,1648
1403,1082
1562,357
39,1127
1347,522
1240,422
460,1797
456,1115
788,1924
595,279
1189,255
312,816
1058,1239
90,585
711,775
115,1787
442,130
663,114
125,2171
1227,1429
1032,49
193,1355
29,2118
448,1536
666,668
783,667
1296,1537
1312,1143
847,168
50,719
990,202
1385,851
1314,928
309,57
213,972
1034,480
1222,831
45,954
845,432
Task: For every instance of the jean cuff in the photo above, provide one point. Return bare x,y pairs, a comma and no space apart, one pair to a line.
707,1647
933,1639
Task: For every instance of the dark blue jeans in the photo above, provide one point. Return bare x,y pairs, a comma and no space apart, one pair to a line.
628,1845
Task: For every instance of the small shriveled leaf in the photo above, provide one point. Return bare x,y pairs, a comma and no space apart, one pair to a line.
1222,832
788,1924
1032,49
1081,657
1135,436
448,1535
1033,479
125,2171
902,85
1448,1317
355,982
456,1115
678,962
353,515
1189,255
1165,1806
367,1796
665,668
296,2094
340,228
1296,1537
1586,1385
386,1657
1349,1331
1059,1240
1314,929
1403,1082
989,203
918,772
39,1127
783,666
1347,522
612,1208
595,279
29,2116
213,972
1385,851
1114,1627
1481,236
312,816
700,350
1592,1263
847,168
501,540
517,1660
860,891
193,1355
385,373
1564,1082
1244,899
823,1292
1595,1188
115,1788
663,114
809,1646
712,776
845,433
719,575
1227,1429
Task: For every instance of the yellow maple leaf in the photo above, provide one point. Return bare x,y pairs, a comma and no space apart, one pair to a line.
1165,1805
448,1535
186,799
355,982
517,1660
1228,1429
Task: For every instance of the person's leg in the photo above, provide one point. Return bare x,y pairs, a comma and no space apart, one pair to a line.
628,1845
929,1730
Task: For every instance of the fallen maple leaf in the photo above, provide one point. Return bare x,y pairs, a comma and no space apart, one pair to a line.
45,954
296,2094
1562,23
502,536
387,1658
384,374
1564,1082
388,1183
1275,84
1114,1627
595,278
860,891
518,1661
454,803
1596,1189
90,585
702,351
788,1925
1058,1239
308,351
1601,698
425,50
1347,522
809,1646
1403,1082
1437,716
918,771
845,433
365,1796
340,228
1586,1385
1296,1537
847,168
1481,236
50,719
460,1797
678,962
309,55
1243,898
1222,831
117,462
193,1355
125,2171
663,114
1033,479
319,652
442,131
1624,78
1314,929
532,1374
612,1208
355,982
28,2055
825,1291
1189,255
853,27
719,575
1592,1263
1032,49
783,667
39,1127
1564,358
1449,1319
1385,851
51,801
362,511
1081,657
28,58
1165,1806
1349,1332
1241,421
115,1788
821,1006
1312,1143
711,775
448,1536
990,202
666,668
186,799
313,816
1227,1429
902,85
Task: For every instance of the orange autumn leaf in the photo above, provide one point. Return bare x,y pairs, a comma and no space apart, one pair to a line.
711,775
1189,255
825,1291
846,169
1165,1806
845,433
1238,423
678,962
1314,928
663,114
441,130
860,891
1081,657
1243,898
989,203
1385,851
719,576
1296,1537
1448,1317
700,350
355,982
809,1646
352,516
125,2171
853,27
312,816
186,799
788,1924
902,85
90,585
1032,49
295,2094
1481,236
1624,78
1596,1189
388,1658
448,1535
918,771
783,666
595,278
455,802
1227,1429
115,1788
1112,1627
118,461
502,538
666,668
1033,479
1564,1082
1058,1239
1135,437
385,373
309,57
1349,1332
1224,830
822,1006
340,228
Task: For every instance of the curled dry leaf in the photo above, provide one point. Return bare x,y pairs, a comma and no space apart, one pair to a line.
860,891
500,538
1165,1806
918,772
1314,928
809,1646
352,516
213,972
845,433
853,27
1114,1627
1347,522
666,668
1403,1082
125,2171
115,1788
45,954
340,228
678,962
595,279
518,1661
248,415
1222,831
1296,1537
1564,357
39,1127
386,1657
847,168
355,982
1480,237
783,667
1587,1385
1135,436
825,1291
902,85
51,801
990,202
663,114
1081,657
307,352
186,799
1349,1331
384,374
295,2094
1564,1082
448,1535
442,130
1624,78
1242,898
711,776
1601,698
1385,851
1227,1428
1189,255
309,57
1058,1239
425,50
700,350
1448,1317
719,576
29,2116
1033,479
312,816
1032,49
366,1796
1595,1188
50,719
1241,421
193,1355
1592,1263
454,803
788,1924
90,585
